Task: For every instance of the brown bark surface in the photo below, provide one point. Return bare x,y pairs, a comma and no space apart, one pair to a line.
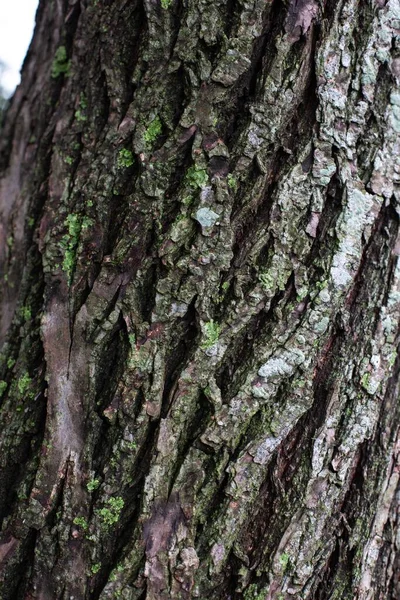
199,319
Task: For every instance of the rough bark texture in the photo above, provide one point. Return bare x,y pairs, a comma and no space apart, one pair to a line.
201,292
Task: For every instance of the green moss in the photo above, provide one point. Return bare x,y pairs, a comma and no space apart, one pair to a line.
118,569
81,522
153,131
207,391
95,568
212,331
284,559
232,182
79,116
26,313
61,64
83,101
252,593
74,225
132,341
196,177
125,159
92,485
166,4
365,380
10,363
220,297
266,280
69,263
80,113
3,387
69,243
110,515
23,384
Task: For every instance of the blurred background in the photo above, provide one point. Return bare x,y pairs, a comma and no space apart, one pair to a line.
17,20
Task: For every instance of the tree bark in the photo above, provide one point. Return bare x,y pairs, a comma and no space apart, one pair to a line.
200,310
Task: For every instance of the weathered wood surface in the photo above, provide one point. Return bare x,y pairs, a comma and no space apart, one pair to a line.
200,307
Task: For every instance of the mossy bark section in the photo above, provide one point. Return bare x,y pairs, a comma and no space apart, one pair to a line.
199,315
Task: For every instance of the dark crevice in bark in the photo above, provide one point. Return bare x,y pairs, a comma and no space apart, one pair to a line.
300,129
182,160
389,232
232,17
122,53
97,99
149,291
246,89
230,374
365,16
369,143
262,532
58,501
135,23
324,239
112,359
18,579
210,511
244,189
20,454
322,592
291,471
116,546
16,470
182,350
382,241
295,136
197,425
280,494
118,212
247,227
178,96
339,566
232,581
329,12
210,51
80,291
177,11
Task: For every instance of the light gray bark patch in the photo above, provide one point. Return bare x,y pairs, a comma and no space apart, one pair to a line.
206,217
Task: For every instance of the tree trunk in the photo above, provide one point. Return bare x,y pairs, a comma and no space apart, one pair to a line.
201,295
